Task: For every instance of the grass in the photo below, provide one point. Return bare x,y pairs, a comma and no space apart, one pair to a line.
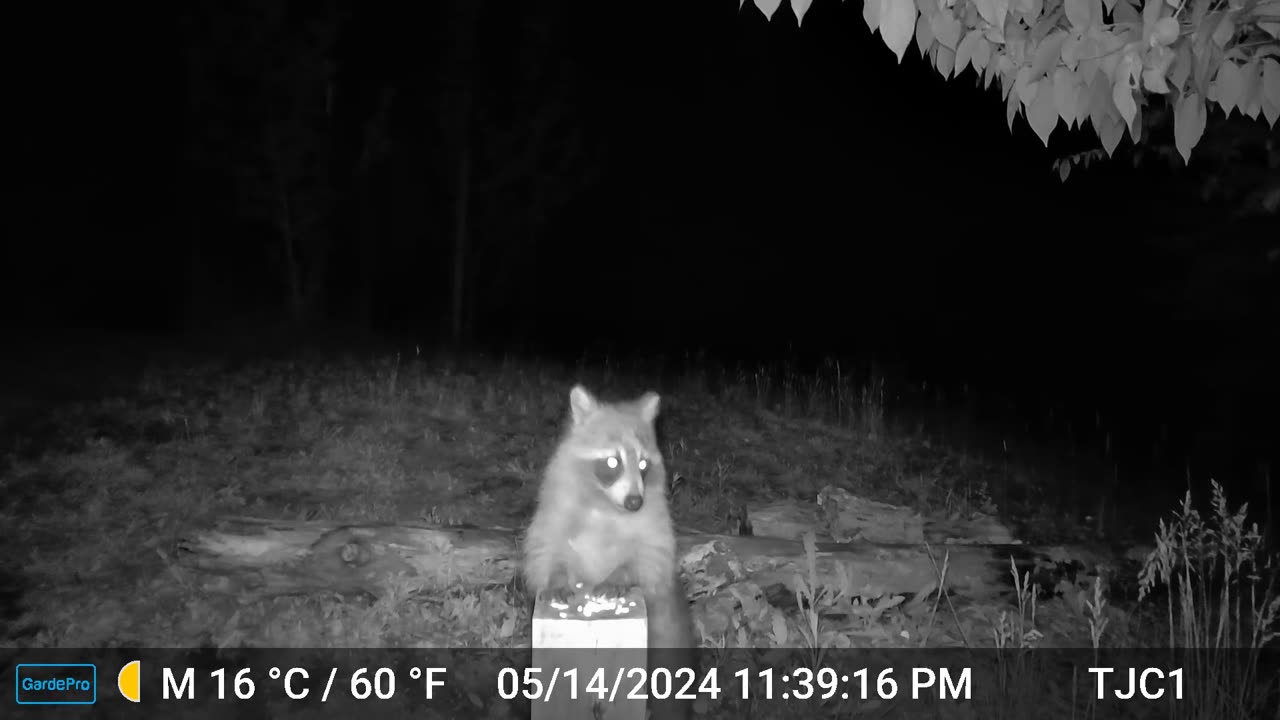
98,494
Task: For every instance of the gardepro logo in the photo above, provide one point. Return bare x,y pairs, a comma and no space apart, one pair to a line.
56,684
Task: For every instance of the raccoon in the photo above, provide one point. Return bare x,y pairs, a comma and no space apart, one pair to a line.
602,521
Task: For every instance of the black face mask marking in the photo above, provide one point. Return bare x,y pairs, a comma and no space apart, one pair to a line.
611,468
608,470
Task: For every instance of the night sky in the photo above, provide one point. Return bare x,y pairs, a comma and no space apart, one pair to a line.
697,179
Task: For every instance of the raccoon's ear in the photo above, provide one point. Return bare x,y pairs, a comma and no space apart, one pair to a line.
581,403
649,406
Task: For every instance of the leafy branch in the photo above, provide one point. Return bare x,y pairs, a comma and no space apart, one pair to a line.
1104,62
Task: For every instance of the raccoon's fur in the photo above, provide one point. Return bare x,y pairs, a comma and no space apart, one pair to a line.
602,521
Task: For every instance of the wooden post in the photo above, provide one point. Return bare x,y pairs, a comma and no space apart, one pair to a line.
598,641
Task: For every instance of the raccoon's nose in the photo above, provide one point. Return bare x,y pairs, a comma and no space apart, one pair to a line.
633,502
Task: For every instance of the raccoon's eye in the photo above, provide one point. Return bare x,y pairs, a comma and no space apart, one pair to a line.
644,466
608,469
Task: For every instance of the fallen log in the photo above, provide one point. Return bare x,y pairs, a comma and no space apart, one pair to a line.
271,557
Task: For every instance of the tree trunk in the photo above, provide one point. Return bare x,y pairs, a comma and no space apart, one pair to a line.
287,226
529,307
293,267
461,236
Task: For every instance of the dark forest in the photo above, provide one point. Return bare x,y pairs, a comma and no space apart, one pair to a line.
371,246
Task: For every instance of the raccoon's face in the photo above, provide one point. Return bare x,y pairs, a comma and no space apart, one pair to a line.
621,472
617,445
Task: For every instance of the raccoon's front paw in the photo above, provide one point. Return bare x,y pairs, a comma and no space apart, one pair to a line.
563,592
617,585
611,590
561,595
